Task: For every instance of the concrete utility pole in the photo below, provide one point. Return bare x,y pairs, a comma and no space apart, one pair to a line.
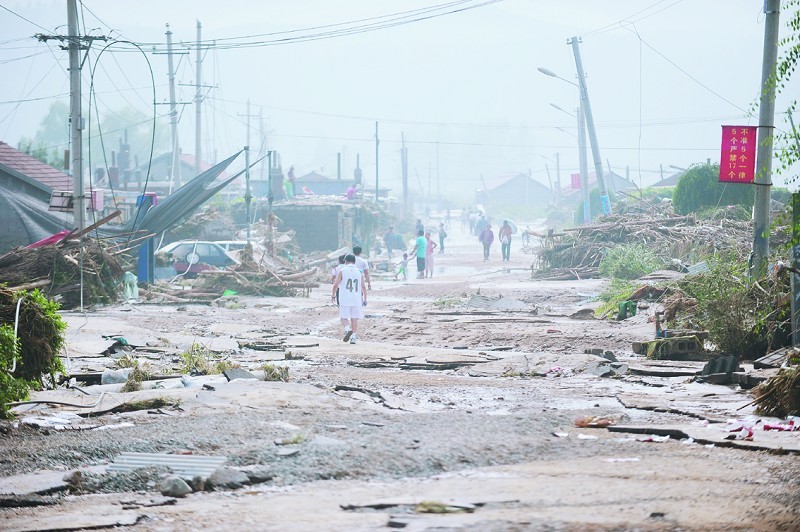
558,180
198,100
263,141
76,119
766,125
404,168
584,166
247,195
377,143
586,106
174,167
438,195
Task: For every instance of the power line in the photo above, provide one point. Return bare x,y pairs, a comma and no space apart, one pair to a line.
687,74
361,26
23,18
630,19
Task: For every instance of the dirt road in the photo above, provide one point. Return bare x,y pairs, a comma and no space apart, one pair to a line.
455,410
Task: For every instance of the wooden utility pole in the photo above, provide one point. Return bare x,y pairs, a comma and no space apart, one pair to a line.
766,125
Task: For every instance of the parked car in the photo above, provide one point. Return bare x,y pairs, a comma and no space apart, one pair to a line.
191,257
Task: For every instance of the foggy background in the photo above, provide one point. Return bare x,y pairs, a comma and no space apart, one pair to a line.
463,88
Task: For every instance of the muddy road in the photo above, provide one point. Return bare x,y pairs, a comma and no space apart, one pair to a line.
456,409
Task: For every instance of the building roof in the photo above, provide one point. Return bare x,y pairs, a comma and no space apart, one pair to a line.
669,181
498,181
314,176
33,168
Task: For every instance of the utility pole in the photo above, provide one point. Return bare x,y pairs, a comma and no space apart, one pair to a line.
586,107
584,165
263,141
247,196
377,143
558,180
438,196
404,168
76,119
174,167
766,125
198,101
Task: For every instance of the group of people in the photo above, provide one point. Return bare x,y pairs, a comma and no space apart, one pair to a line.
351,277
486,238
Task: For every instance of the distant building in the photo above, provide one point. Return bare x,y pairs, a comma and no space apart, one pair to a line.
519,190
321,185
669,181
615,183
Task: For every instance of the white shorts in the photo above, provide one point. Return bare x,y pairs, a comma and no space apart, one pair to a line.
351,312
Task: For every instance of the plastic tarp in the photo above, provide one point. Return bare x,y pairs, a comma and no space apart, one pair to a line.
25,219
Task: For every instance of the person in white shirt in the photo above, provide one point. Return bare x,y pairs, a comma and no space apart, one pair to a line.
352,297
335,272
362,265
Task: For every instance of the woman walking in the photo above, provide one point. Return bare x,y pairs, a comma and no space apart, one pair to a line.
486,238
430,246
505,240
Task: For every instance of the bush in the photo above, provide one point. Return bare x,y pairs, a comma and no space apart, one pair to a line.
40,333
11,388
628,261
699,187
617,291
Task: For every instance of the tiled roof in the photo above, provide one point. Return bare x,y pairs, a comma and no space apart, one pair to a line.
34,168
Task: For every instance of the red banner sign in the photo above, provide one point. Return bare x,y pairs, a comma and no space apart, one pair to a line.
576,180
737,162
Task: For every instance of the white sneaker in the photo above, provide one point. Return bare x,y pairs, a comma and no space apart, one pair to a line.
347,334
352,338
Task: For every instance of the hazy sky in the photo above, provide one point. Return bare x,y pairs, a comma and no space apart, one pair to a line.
663,76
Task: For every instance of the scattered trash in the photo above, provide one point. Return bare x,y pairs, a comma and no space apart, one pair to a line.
652,438
631,459
561,434
587,437
593,422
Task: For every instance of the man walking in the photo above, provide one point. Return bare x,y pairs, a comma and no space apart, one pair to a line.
442,236
420,247
362,265
352,297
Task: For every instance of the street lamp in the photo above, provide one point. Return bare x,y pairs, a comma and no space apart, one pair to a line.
586,111
584,164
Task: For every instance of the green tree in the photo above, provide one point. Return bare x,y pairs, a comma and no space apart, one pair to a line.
787,65
51,138
699,188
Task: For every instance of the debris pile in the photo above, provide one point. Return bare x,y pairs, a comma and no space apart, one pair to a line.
56,271
780,395
576,252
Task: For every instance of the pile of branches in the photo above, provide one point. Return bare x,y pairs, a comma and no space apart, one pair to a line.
56,271
780,395
261,282
681,237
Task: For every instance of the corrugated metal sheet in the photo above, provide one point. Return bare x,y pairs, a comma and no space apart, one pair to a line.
187,465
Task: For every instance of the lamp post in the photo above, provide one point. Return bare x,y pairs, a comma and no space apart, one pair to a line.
586,111
584,163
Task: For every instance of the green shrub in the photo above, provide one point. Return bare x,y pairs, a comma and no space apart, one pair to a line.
274,372
628,261
617,291
11,388
699,187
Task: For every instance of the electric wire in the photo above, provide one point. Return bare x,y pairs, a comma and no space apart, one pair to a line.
630,19
23,18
